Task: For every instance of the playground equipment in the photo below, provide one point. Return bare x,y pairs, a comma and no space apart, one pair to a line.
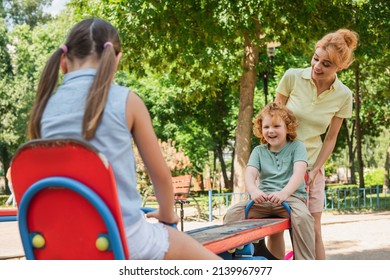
68,204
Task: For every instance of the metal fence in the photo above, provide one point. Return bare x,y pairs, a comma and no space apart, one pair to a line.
375,198
345,198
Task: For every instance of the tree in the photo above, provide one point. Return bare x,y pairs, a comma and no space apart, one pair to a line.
5,105
190,39
200,36
24,51
202,125
368,19
177,162
368,77
29,12
386,183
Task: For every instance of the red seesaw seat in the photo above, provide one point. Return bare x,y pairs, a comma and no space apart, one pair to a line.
68,203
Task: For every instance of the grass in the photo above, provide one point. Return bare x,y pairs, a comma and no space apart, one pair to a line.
202,199
3,199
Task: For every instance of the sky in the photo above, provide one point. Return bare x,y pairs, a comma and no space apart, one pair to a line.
56,6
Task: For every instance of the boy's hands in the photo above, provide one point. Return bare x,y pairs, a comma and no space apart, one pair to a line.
258,196
277,197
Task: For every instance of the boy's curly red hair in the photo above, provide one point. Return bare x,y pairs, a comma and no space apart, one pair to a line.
276,110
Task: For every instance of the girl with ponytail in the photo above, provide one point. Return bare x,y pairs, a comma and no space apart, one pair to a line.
90,106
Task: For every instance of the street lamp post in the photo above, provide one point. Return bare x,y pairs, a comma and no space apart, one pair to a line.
265,85
271,47
267,72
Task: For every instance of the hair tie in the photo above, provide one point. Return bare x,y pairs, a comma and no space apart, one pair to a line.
106,44
64,48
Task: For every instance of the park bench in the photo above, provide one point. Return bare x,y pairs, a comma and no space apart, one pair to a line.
66,194
182,195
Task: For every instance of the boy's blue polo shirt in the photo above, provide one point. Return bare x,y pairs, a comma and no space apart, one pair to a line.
276,169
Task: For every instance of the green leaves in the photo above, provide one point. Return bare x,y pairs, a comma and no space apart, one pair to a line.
185,59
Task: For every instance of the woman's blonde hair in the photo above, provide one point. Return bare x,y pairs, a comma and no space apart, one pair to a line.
89,38
276,110
340,46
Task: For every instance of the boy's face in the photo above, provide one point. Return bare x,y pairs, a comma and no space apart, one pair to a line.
274,131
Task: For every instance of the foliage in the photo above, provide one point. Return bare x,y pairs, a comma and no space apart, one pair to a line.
185,59
177,162
26,48
374,177
198,126
375,149
3,199
17,88
5,59
330,168
14,100
29,12
200,45
191,40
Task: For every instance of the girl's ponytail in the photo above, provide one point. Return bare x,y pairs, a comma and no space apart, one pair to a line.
91,38
47,83
98,93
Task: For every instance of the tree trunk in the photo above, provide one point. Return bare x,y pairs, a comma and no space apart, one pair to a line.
245,115
351,153
5,160
228,182
359,135
198,182
265,86
232,167
386,183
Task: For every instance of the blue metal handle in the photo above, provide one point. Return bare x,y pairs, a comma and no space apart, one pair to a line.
150,209
247,207
251,202
287,207
84,191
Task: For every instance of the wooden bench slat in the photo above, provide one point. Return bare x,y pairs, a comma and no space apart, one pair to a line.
222,238
181,188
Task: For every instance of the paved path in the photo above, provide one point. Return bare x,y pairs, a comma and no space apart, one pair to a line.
346,236
10,243
357,237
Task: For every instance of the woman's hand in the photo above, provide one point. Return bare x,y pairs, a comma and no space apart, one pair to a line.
312,174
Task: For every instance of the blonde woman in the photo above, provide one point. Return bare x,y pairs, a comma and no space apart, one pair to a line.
321,102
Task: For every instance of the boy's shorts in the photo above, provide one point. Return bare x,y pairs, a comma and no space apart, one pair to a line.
147,241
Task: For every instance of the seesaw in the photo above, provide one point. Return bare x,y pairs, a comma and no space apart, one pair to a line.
234,241
66,195
8,214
